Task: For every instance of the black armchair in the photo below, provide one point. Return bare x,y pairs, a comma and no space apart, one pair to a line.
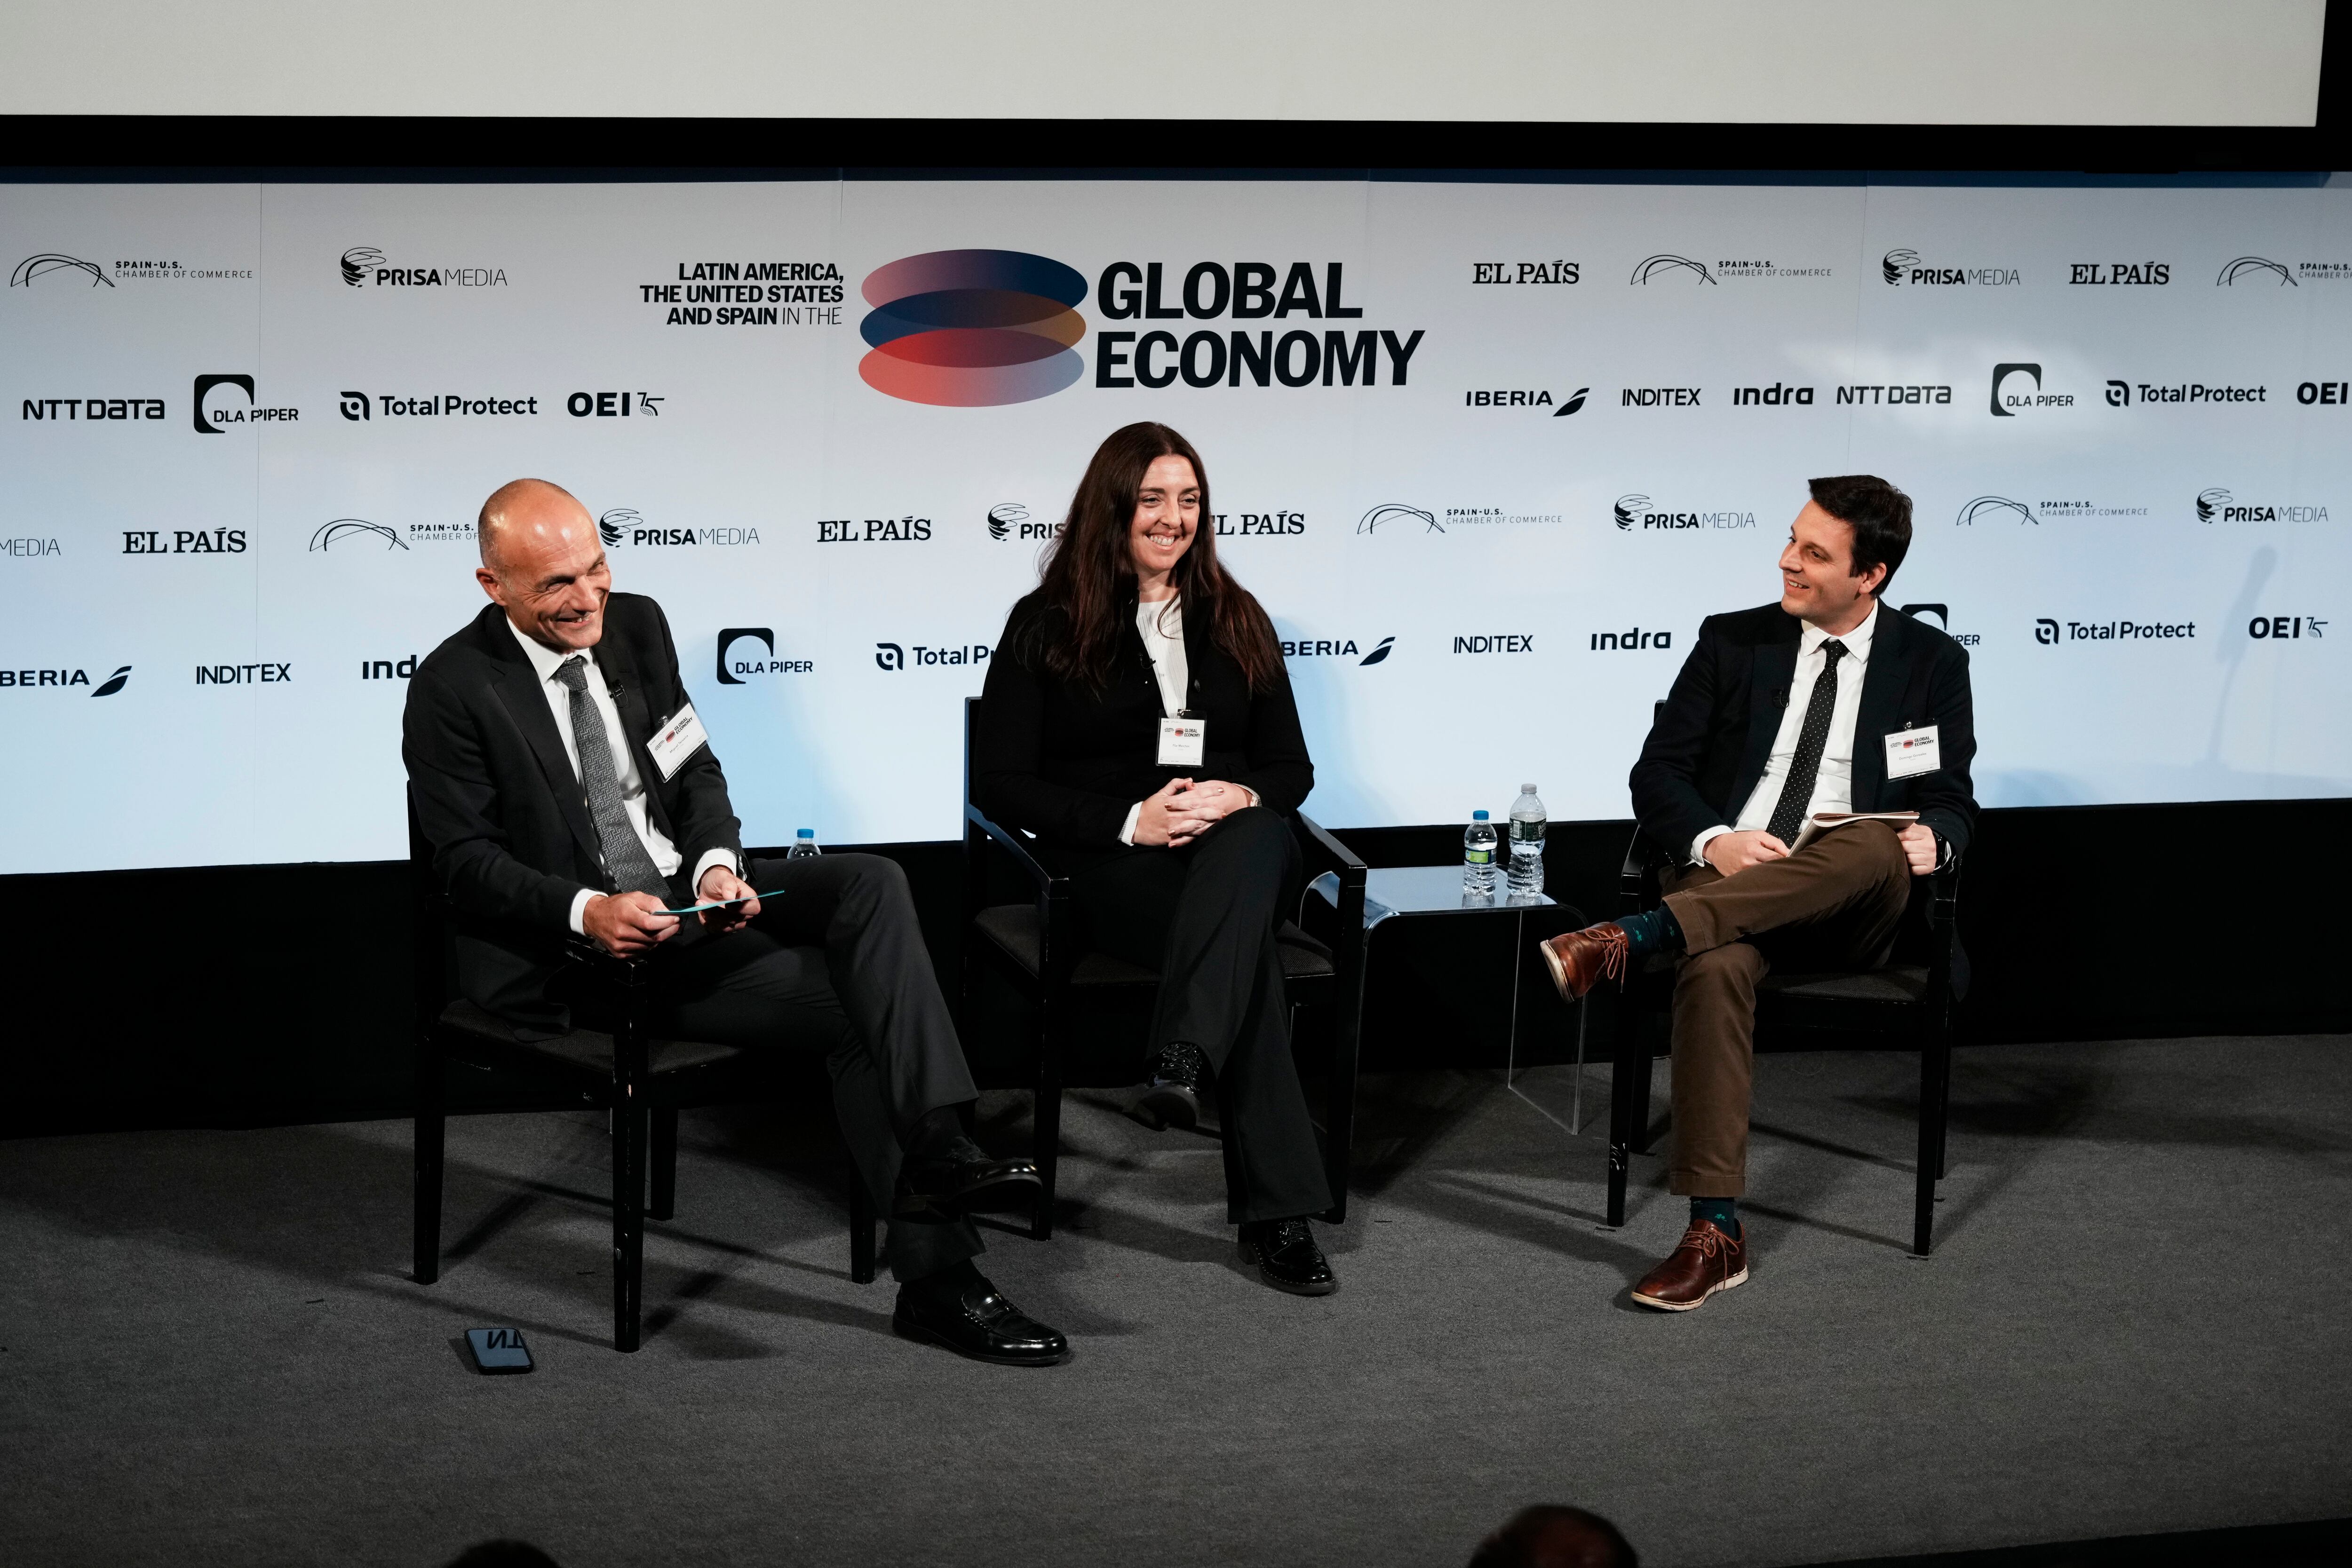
1036,947
641,1082
1909,1000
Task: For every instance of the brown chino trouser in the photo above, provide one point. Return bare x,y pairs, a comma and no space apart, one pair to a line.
1835,904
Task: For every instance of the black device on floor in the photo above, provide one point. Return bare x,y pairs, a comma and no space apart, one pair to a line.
498,1350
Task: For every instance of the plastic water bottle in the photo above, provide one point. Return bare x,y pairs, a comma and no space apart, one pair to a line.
804,847
1478,856
1526,845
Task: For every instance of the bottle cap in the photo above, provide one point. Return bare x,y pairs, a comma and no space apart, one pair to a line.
1477,816
808,832
1526,789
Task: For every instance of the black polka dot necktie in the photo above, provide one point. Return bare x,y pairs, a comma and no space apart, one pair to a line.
1798,793
628,864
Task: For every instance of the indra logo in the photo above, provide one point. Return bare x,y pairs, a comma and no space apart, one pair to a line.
972,329
2254,269
1671,266
735,666
1905,266
1993,508
2219,504
1338,648
214,415
52,264
1391,512
363,266
357,531
1638,512
65,680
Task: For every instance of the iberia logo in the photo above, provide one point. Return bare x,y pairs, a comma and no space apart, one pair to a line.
972,329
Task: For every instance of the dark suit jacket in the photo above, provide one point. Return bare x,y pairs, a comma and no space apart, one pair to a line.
497,800
1712,739
1065,762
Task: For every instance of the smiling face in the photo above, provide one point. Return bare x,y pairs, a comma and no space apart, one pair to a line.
543,564
1817,581
1167,512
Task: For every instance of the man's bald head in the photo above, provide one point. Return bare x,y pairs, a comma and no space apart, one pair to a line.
521,508
543,563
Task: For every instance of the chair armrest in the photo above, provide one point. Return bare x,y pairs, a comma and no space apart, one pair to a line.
1944,896
1324,853
1637,879
1011,844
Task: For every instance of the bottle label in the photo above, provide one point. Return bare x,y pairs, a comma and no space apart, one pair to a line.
1524,832
1477,857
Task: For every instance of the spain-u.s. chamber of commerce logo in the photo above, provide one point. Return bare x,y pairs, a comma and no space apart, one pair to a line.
972,329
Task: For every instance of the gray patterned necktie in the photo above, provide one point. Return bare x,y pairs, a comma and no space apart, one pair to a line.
628,864
1798,793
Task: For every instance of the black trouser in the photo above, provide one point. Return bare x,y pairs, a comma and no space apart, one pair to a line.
1205,916
838,965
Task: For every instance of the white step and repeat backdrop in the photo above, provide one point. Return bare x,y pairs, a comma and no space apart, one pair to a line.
1488,453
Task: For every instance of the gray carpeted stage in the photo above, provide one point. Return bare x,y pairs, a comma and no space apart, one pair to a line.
2133,1323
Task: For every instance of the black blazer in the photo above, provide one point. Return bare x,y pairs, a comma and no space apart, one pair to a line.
1712,739
1065,762
504,811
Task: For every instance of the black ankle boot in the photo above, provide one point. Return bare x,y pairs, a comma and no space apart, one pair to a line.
1287,1256
1175,1098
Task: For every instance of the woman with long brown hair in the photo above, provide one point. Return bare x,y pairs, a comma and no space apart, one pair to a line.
1139,720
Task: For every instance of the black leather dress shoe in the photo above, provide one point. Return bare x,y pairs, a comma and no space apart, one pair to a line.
1286,1256
1175,1098
960,1176
972,1320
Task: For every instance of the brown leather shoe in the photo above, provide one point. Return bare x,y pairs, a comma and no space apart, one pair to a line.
1706,1261
1581,960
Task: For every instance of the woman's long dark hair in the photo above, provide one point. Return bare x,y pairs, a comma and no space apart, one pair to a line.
1090,569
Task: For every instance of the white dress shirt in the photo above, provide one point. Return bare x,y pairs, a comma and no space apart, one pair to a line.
1833,783
1161,622
546,661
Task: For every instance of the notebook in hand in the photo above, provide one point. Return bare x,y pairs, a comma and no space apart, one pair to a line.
1820,822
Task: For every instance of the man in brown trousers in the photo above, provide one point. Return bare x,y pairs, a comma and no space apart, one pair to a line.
1824,703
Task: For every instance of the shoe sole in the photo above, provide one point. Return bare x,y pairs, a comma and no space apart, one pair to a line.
950,1204
1738,1279
1559,971
922,1335
1160,1109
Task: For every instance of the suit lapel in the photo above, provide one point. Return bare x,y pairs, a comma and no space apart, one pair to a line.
1772,674
516,687
636,721
1882,693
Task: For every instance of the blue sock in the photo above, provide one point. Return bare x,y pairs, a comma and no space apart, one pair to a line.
1652,930
1723,1213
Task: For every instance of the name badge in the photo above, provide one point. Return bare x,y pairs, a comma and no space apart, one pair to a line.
679,737
1184,742
1910,752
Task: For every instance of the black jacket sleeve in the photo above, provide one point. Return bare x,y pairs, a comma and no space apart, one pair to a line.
457,807
1946,798
1279,769
1664,781
1008,779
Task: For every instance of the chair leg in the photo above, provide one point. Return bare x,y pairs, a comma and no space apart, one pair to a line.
861,1230
1340,1116
431,1120
628,1224
1629,1101
1645,1067
664,1163
1944,1119
1935,1079
1047,1117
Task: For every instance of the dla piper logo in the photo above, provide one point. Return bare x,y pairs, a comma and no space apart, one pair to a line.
65,680
736,663
892,656
2006,403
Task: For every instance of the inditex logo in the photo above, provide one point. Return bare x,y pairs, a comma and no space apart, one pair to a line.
363,266
1996,507
356,530
50,263
1496,642
65,680
2254,269
1898,266
1670,265
1337,648
972,329
735,668
897,656
257,675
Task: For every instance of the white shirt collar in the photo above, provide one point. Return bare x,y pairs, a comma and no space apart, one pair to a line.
544,659
1857,642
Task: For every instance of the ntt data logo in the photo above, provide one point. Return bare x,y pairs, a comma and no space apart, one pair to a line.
1652,266
2255,270
972,329
1993,508
48,262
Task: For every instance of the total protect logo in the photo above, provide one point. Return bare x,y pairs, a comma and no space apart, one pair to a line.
48,262
972,329
1652,266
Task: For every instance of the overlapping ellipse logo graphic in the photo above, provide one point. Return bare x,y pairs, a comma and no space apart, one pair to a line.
972,329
